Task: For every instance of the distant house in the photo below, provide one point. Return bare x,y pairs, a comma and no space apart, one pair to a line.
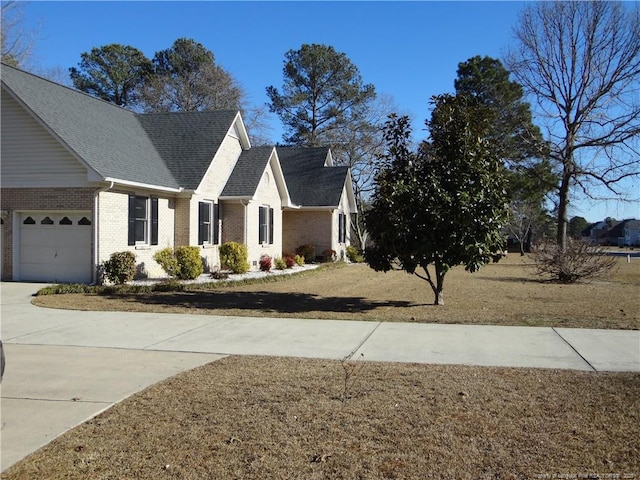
625,233
81,178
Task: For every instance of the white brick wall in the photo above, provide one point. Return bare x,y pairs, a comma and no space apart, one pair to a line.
113,227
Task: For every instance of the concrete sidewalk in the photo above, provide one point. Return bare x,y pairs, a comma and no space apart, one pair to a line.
64,367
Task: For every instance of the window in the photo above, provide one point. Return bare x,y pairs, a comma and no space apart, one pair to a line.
265,225
208,219
143,220
342,228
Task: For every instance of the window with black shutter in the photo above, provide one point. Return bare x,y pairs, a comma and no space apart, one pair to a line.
204,223
139,222
265,225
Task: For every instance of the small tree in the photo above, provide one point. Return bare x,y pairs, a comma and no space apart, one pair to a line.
443,205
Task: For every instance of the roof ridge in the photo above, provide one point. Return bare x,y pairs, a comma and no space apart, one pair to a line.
67,87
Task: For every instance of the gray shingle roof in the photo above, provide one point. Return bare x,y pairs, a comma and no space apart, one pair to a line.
187,141
310,183
247,173
109,138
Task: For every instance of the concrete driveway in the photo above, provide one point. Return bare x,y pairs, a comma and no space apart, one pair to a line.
64,367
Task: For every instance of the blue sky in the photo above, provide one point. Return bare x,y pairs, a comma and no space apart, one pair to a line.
408,50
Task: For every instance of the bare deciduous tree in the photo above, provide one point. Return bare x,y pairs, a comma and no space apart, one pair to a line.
16,41
581,61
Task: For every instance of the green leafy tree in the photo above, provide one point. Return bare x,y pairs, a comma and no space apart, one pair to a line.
322,92
576,226
581,62
487,82
442,205
115,73
519,142
187,79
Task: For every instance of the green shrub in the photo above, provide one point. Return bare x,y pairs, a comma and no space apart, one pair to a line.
280,263
234,256
120,268
168,261
307,251
183,263
299,259
354,255
265,263
189,262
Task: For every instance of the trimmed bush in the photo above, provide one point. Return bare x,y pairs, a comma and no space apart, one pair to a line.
299,259
328,255
189,262
307,251
120,268
354,255
234,256
183,263
289,261
265,263
280,264
167,260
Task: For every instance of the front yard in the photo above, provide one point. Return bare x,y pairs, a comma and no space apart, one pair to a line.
506,293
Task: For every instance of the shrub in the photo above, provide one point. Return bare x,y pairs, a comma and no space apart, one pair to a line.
299,259
328,255
218,275
121,267
280,264
289,261
354,255
307,251
183,263
265,262
168,261
234,256
189,262
578,261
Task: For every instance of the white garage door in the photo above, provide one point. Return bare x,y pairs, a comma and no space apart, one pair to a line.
55,247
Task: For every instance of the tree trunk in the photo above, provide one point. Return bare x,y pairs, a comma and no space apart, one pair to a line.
563,207
439,288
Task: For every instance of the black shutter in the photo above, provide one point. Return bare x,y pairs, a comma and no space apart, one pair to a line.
132,220
154,220
344,228
271,226
216,222
261,225
201,225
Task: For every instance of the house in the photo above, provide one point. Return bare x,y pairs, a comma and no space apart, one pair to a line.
625,233
81,178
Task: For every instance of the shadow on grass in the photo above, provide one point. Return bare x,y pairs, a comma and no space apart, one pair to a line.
262,301
513,279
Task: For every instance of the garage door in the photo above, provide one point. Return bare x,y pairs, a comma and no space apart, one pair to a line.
55,247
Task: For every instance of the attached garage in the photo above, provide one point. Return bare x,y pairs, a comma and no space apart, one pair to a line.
55,247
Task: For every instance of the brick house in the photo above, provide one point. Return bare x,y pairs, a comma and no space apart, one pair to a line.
82,178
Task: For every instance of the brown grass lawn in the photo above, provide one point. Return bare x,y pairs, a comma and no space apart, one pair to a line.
506,293
273,418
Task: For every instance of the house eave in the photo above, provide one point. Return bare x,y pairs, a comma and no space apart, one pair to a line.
147,186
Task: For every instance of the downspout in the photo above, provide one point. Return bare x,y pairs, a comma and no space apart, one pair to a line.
94,275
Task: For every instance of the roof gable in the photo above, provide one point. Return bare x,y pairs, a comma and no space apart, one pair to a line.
306,167
188,141
108,138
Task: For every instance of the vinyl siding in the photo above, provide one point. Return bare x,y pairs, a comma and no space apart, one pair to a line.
31,156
